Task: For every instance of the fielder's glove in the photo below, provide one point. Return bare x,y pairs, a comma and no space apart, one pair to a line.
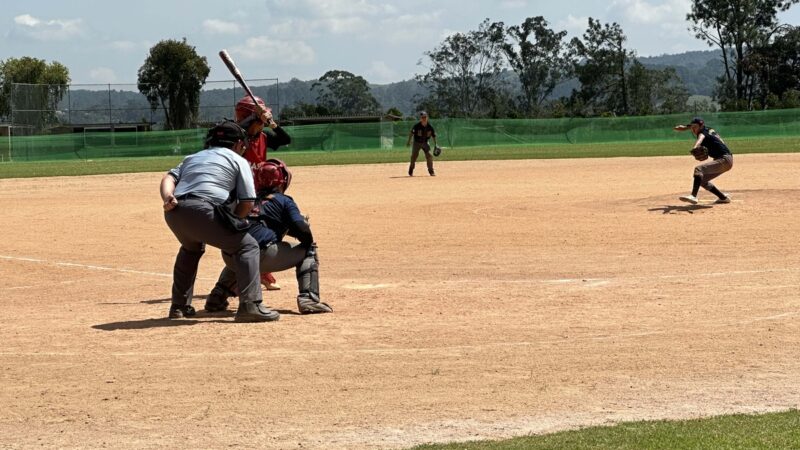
700,153
437,151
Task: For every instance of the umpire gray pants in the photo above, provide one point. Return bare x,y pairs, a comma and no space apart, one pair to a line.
194,224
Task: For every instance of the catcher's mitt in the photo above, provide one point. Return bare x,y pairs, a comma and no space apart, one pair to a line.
437,151
700,153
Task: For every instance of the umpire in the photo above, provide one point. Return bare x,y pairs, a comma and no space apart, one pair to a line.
421,132
194,194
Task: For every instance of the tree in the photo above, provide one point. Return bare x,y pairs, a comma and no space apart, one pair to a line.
464,71
343,93
774,68
540,58
736,27
602,60
171,78
303,109
44,85
654,91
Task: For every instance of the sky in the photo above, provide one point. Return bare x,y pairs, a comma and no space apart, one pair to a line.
383,41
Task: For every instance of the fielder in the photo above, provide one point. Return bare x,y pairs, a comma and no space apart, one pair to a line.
708,144
275,215
421,132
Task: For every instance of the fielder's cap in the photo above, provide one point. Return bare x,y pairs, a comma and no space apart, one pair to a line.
423,114
697,120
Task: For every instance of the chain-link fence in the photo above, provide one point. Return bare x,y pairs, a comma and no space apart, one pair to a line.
56,109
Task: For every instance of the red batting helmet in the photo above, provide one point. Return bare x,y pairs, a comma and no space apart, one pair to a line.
272,175
245,107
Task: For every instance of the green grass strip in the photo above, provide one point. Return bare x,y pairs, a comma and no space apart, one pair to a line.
767,431
377,156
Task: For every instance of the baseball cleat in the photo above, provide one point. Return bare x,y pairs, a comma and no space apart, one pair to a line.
688,199
722,201
179,312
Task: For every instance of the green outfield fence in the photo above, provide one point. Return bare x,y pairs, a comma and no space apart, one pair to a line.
452,133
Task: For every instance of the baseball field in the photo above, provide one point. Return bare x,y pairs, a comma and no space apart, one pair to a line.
498,299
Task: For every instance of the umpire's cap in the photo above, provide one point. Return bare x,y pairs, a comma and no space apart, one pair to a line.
225,134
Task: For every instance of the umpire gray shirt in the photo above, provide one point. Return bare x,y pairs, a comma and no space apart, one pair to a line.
213,174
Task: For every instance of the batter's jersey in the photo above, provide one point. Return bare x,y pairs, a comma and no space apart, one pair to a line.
215,174
257,148
422,132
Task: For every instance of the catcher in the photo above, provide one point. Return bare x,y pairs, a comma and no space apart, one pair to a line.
273,216
263,133
708,144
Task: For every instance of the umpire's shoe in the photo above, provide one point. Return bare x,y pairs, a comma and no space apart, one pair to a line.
255,312
181,311
310,306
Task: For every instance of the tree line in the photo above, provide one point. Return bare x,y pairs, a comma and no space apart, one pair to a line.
466,74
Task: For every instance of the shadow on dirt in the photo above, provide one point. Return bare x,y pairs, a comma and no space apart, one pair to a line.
675,209
168,300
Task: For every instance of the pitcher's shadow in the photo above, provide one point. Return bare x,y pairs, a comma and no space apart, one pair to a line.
674,209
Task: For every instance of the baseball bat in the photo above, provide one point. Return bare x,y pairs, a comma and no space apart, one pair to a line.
226,58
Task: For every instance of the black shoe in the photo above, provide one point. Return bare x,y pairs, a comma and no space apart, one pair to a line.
216,301
410,172
255,312
432,173
179,312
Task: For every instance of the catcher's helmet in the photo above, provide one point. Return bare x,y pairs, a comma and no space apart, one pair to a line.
272,175
245,107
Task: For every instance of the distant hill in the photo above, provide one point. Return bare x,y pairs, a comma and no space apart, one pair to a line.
698,70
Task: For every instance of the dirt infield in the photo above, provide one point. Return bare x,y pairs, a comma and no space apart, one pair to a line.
496,299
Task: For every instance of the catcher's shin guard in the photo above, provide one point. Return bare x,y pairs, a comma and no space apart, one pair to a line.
308,300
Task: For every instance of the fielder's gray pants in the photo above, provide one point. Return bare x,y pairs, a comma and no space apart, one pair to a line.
709,170
193,223
280,256
426,148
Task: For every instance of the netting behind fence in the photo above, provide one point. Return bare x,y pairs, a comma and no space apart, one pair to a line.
454,133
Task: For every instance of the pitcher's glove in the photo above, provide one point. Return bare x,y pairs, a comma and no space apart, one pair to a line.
700,153
437,151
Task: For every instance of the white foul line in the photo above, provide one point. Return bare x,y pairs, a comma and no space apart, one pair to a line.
87,266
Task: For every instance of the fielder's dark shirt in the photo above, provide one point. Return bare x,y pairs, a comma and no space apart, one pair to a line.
422,132
716,149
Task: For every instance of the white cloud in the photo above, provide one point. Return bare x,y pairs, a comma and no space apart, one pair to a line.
103,75
264,48
214,26
49,30
380,72
575,26
653,13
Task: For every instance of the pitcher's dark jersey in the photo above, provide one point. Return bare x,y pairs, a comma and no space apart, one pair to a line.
716,148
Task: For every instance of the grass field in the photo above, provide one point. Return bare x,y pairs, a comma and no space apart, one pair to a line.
767,431
622,149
